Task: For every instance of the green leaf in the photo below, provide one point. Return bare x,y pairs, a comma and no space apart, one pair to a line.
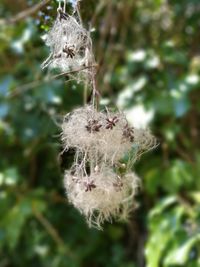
165,203
14,221
180,256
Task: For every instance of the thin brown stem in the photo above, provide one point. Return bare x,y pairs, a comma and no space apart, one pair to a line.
79,14
95,92
74,71
85,94
23,88
52,232
24,14
49,228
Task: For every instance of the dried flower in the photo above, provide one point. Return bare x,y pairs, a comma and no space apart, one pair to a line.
93,126
89,186
111,122
69,50
128,133
70,45
109,137
103,201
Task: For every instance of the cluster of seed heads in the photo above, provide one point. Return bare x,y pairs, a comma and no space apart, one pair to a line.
99,184
70,45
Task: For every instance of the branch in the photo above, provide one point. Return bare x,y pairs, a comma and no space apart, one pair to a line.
53,233
24,14
23,88
49,228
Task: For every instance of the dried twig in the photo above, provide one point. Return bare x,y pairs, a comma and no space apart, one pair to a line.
52,232
49,227
24,14
23,88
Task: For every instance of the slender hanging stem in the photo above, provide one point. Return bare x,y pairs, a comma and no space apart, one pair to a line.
64,6
77,9
59,5
95,92
85,93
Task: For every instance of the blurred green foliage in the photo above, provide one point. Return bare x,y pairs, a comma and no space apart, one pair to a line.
148,52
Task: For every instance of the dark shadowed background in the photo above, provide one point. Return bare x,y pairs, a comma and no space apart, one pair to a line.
149,65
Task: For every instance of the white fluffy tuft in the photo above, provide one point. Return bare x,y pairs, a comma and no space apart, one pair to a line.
102,196
104,133
70,45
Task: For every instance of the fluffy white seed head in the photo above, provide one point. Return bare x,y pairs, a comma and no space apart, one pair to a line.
102,195
104,134
70,45
75,128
